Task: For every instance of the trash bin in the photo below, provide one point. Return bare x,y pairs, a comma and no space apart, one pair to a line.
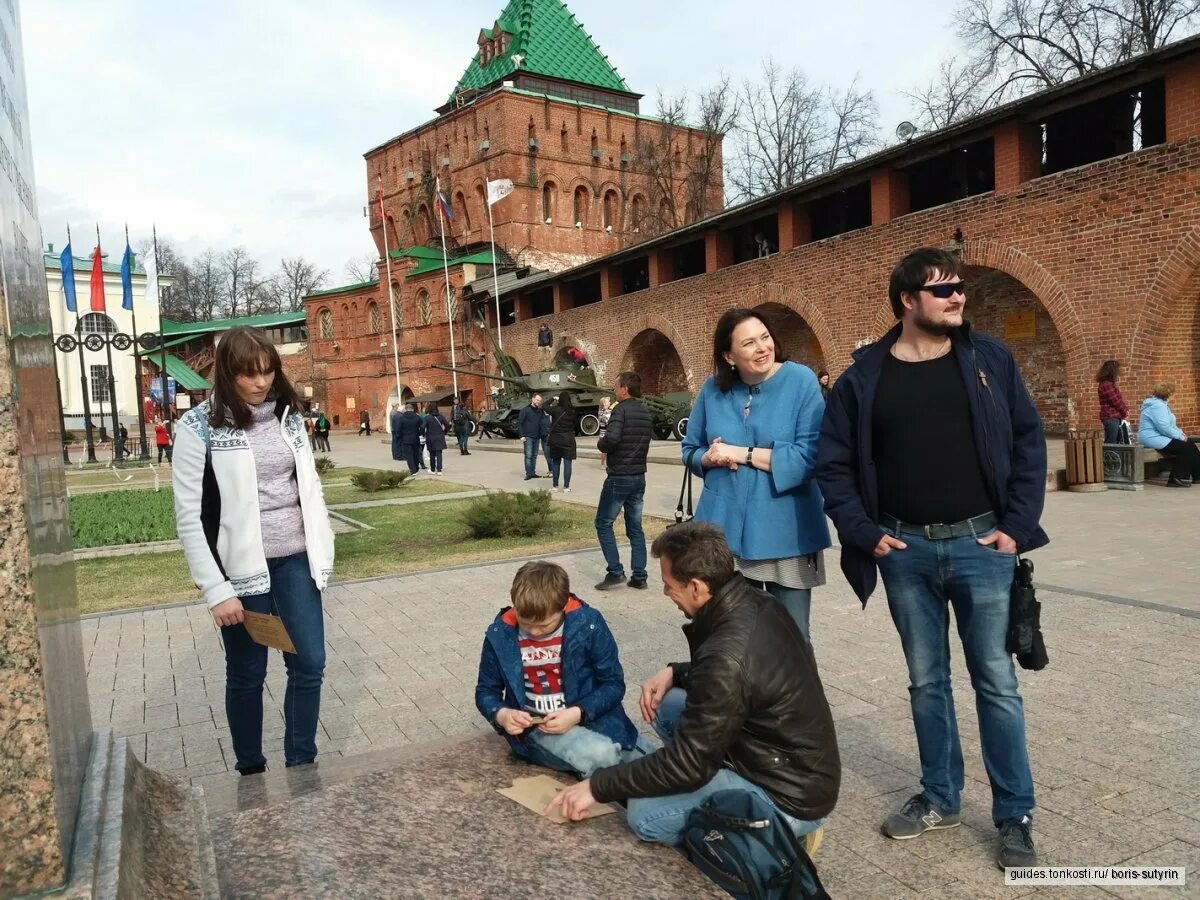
1085,461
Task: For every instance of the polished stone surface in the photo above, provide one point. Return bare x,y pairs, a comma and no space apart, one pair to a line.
432,826
45,724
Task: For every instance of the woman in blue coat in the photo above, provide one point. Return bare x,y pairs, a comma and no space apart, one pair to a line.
752,437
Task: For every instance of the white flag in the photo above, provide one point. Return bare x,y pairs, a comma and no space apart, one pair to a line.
498,190
151,267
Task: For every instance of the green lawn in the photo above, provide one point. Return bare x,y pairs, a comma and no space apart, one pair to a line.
403,539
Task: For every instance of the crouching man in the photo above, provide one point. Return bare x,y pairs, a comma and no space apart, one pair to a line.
747,712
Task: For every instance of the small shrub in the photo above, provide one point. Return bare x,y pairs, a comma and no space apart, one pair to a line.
325,464
509,515
373,480
69,438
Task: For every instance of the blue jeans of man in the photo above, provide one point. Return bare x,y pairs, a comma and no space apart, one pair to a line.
295,599
922,583
797,602
463,437
663,819
622,493
580,750
530,447
557,464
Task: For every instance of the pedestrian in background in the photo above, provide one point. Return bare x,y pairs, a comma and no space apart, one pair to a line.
603,415
1113,410
364,422
460,418
407,428
561,441
162,440
436,427
529,425
1158,430
627,444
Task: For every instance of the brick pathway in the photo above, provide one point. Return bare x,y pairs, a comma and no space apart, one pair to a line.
1112,722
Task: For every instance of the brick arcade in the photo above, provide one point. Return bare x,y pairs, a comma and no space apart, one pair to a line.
1079,224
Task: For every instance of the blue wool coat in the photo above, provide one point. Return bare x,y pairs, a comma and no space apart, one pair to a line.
592,675
765,515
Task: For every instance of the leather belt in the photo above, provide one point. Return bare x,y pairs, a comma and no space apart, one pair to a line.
941,531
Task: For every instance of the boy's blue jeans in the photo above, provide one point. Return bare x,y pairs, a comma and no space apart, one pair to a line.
663,819
922,583
295,599
579,750
628,493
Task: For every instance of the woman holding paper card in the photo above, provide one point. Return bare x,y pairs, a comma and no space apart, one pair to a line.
252,520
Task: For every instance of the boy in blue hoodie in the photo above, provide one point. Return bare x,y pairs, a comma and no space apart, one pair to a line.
550,680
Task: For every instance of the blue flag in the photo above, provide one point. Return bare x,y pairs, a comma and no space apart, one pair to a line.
127,278
68,277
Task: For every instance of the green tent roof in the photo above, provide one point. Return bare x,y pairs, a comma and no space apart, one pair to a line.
551,42
185,376
83,266
274,320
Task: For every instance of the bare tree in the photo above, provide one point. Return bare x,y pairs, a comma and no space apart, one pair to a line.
791,130
295,280
717,114
361,269
207,278
958,91
658,156
240,272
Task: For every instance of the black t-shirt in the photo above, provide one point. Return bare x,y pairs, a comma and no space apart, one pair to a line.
924,451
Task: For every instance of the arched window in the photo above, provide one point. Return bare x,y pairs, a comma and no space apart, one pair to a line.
595,145
637,212
581,206
398,306
424,230
374,317
424,308
611,210
96,323
549,194
326,317
480,203
563,137
450,301
460,200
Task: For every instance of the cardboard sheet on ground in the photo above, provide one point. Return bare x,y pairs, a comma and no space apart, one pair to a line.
269,631
535,792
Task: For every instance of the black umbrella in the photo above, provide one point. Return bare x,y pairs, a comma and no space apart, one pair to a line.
1025,621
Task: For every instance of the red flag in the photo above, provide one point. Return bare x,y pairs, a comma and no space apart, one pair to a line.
97,281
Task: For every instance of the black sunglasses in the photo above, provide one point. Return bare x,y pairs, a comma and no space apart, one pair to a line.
946,289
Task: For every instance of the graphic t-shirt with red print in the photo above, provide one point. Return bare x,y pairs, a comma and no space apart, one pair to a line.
541,658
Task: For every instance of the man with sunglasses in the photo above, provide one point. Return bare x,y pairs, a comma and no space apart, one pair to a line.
932,463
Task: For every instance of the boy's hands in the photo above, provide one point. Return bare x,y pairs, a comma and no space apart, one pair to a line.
562,720
654,690
513,721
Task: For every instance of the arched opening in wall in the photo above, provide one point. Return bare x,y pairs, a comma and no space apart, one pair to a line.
637,212
794,335
423,227
464,214
325,317
374,318
549,201
581,207
391,236
1177,359
652,355
1002,306
611,210
480,204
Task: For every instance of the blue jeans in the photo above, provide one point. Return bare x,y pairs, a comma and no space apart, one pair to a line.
435,458
922,582
463,437
580,750
622,492
663,819
530,446
1112,430
797,602
295,599
555,463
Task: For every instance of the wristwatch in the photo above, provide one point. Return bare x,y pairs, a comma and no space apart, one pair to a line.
750,455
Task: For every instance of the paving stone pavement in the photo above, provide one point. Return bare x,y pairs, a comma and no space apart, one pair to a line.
1112,721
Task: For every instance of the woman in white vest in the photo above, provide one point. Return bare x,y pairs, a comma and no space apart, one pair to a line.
256,535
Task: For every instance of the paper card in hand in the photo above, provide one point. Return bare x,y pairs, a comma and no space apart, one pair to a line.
535,792
268,631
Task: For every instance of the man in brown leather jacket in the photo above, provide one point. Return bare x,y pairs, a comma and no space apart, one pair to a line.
748,712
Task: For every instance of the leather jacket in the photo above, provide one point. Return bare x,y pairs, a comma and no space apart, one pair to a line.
755,705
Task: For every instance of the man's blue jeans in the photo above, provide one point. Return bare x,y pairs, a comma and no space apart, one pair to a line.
295,599
580,750
922,582
557,464
530,446
622,492
663,819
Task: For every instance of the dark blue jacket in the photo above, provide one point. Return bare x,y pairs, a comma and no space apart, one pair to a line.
591,672
533,423
407,428
1008,437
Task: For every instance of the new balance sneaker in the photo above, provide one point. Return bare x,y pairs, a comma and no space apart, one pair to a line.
610,582
1016,844
916,817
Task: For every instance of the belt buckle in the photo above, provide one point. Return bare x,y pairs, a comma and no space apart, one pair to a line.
928,532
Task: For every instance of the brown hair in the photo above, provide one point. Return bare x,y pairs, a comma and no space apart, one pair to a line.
1163,390
914,270
1109,369
723,373
247,351
539,590
698,550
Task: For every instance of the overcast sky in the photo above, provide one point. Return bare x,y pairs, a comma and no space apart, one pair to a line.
244,121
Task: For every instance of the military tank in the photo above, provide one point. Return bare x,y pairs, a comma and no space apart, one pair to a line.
670,412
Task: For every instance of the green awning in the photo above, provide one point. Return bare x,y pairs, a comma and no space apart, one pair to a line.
185,376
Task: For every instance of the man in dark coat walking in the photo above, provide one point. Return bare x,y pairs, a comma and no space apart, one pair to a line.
407,430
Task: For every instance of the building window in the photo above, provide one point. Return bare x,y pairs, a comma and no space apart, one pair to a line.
97,323
450,298
581,205
638,212
460,200
548,195
424,308
326,316
611,210
100,383
375,317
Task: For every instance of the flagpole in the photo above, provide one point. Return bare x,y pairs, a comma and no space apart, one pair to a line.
446,269
387,261
164,404
137,361
83,384
495,268
118,449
